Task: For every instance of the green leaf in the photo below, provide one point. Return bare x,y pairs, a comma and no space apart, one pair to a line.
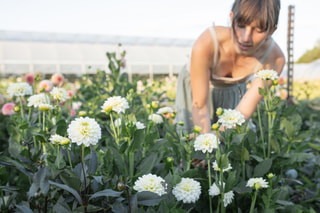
262,168
284,202
300,157
119,162
20,167
73,182
137,140
61,207
93,162
147,164
61,127
262,91
24,209
288,127
67,188
244,154
314,146
105,193
242,188
148,198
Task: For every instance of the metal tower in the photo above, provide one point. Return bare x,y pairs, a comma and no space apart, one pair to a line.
290,52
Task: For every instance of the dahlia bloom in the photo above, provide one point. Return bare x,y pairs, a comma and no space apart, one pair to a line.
29,78
139,125
84,131
164,110
156,118
116,103
267,74
19,89
46,85
36,100
7,109
227,198
187,191
257,183
206,143
45,107
231,118
59,94
216,167
151,183
57,78
59,140
214,189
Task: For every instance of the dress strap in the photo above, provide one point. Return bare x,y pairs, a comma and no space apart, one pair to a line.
216,45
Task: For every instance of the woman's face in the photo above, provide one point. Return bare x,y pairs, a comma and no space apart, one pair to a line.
247,39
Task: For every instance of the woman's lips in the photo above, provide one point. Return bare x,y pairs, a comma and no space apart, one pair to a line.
244,46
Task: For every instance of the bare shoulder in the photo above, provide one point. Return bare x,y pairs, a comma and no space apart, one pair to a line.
276,58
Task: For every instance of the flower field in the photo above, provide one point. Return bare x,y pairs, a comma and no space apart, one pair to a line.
104,144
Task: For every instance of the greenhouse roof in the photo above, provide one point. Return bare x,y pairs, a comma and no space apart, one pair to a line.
91,39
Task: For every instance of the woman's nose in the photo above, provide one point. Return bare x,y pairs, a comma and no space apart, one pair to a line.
246,35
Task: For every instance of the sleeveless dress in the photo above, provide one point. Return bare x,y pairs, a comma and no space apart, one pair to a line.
226,92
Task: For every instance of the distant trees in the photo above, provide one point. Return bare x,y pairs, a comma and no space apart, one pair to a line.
310,55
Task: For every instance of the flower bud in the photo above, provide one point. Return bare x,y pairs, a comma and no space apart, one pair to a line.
169,159
121,186
270,175
219,111
197,129
187,136
155,104
215,126
82,113
42,89
172,115
16,108
45,107
148,106
90,113
65,141
175,111
275,82
181,123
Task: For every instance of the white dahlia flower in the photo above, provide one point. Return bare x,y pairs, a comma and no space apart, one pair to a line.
84,131
230,118
267,74
38,99
165,110
216,167
59,94
257,183
227,198
151,183
187,191
156,118
57,139
206,142
45,107
19,89
117,104
139,125
214,189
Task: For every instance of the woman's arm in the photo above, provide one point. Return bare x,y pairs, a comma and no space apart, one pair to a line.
251,98
200,78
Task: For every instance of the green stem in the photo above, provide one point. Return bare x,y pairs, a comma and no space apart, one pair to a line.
261,132
209,178
3,200
39,118
131,164
29,114
217,136
44,121
59,156
44,151
243,164
21,108
289,147
114,130
253,201
218,206
269,133
69,159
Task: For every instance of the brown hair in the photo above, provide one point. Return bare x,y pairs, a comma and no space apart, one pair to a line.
265,12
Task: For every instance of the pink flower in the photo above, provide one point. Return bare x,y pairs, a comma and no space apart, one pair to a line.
70,93
73,112
46,84
29,78
7,109
57,79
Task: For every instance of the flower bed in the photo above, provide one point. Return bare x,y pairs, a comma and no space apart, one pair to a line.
109,147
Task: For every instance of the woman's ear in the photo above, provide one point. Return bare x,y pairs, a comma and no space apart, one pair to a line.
231,16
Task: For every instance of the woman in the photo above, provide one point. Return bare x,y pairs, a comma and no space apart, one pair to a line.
227,57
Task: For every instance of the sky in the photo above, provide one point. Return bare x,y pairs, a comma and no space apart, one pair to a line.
185,19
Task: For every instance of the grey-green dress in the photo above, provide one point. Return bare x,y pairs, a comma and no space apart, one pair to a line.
225,92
